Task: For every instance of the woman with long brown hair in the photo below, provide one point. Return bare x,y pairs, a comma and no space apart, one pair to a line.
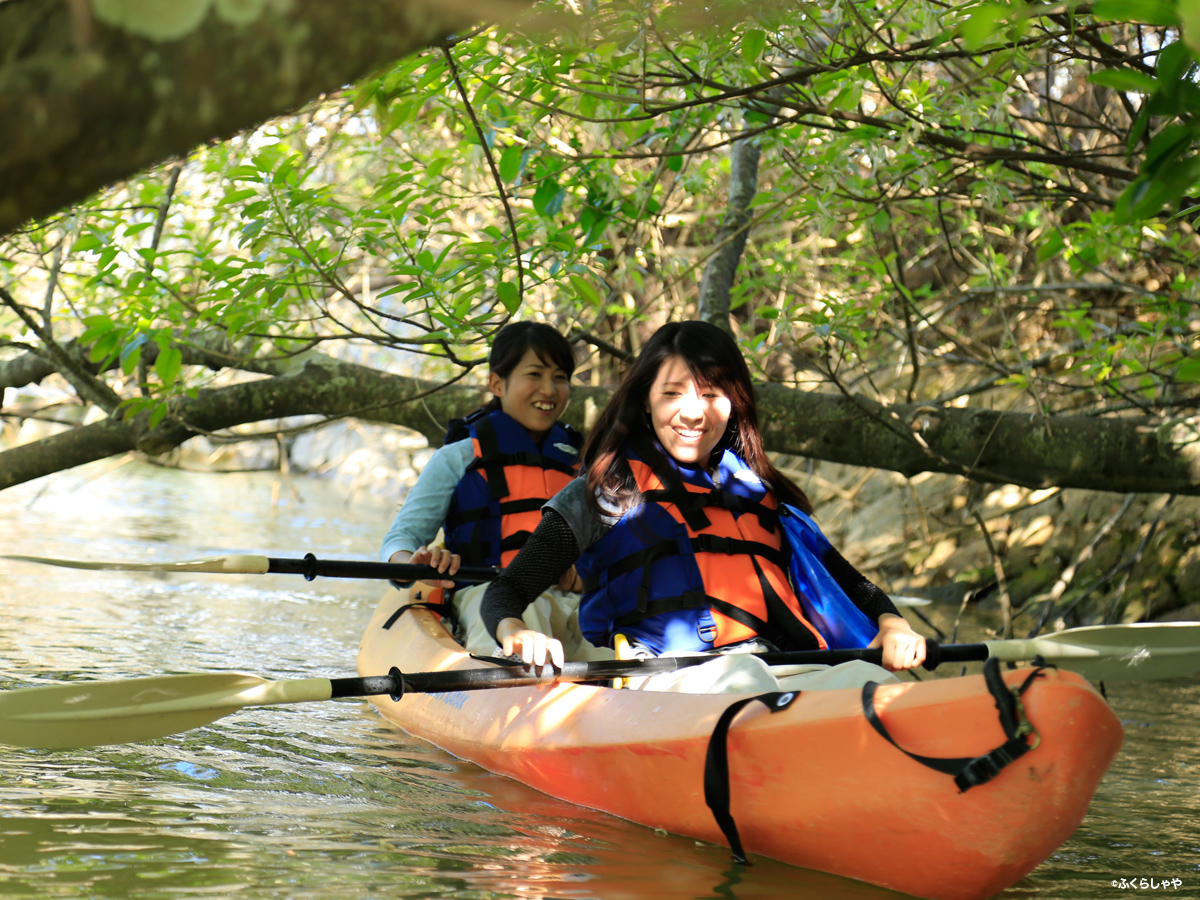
675,527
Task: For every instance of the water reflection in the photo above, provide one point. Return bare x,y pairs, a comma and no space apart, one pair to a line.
322,799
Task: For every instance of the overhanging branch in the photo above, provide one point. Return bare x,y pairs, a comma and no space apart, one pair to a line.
1126,455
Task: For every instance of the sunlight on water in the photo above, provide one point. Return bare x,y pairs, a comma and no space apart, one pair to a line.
320,800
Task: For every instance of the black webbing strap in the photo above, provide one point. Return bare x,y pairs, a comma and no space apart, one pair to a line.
719,499
442,609
716,765
515,541
691,600
489,459
713,543
635,560
702,543
784,627
969,772
507,507
522,458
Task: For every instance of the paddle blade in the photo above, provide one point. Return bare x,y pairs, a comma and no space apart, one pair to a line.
235,565
92,713
1144,651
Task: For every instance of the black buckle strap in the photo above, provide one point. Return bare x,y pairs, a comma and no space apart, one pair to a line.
969,772
983,769
716,766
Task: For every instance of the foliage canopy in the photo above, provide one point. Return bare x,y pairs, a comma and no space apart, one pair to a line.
943,205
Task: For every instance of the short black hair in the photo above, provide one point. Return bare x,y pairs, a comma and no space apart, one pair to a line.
513,340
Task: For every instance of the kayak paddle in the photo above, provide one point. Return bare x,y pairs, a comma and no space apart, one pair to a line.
310,567
90,713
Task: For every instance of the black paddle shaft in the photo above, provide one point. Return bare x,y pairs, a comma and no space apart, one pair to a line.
310,567
510,674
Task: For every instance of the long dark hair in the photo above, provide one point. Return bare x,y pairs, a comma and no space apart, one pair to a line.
713,357
515,339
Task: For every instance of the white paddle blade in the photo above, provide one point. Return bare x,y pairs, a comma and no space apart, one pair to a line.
1144,651
233,565
901,601
92,713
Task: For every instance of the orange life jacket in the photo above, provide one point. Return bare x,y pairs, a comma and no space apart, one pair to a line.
696,566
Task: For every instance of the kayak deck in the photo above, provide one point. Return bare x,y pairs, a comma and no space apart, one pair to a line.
813,785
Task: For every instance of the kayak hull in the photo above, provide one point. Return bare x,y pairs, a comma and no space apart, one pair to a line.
813,785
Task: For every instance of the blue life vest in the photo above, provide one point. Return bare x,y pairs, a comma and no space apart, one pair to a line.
498,502
701,563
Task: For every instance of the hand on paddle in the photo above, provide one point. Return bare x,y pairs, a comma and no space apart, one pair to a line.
438,557
902,647
518,639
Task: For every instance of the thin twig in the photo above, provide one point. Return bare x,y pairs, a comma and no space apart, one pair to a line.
487,152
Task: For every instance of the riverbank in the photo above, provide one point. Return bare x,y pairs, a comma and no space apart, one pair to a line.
1055,558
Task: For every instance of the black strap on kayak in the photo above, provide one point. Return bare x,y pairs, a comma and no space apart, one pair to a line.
716,765
442,609
969,772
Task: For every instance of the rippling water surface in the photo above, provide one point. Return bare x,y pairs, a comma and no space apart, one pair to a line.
323,800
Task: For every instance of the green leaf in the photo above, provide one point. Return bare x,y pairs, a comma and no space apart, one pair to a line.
158,414
1051,246
89,241
1189,370
1152,12
1189,15
584,289
1125,80
105,348
675,163
96,326
131,355
168,366
548,198
510,164
983,22
753,42
232,197
509,295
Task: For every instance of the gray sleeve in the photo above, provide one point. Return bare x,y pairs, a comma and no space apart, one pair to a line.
571,503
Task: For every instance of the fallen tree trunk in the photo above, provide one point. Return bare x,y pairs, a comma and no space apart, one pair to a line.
1108,454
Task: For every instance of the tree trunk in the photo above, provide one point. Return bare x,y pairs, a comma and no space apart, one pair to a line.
717,281
1117,454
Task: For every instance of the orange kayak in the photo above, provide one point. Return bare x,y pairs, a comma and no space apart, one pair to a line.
813,785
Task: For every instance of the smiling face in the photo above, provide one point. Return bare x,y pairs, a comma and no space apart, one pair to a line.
535,393
689,416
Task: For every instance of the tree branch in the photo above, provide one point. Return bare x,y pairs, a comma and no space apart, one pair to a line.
97,102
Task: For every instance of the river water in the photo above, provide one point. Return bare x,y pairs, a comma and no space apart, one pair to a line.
324,800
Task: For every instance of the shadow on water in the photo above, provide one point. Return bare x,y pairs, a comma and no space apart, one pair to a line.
323,800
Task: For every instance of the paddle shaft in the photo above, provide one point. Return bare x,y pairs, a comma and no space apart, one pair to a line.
308,566
311,567
397,684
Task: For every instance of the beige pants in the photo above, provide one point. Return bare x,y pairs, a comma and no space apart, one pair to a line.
739,673
555,613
